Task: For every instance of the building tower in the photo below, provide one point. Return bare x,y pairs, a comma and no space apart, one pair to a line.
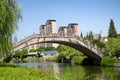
42,30
51,27
62,31
72,29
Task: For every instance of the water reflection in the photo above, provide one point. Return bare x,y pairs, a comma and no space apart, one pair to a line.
68,72
110,74
92,72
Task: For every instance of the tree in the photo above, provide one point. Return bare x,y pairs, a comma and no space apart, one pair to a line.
39,50
32,50
98,43
113,46
99,37
10,14
81,35
67,54
21,54
112,31
89,36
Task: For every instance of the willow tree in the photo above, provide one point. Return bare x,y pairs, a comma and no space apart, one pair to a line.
10,14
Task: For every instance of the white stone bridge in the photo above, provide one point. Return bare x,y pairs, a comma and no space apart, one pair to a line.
83,46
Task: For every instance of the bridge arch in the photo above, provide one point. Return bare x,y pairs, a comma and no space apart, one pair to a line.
78,47
80,44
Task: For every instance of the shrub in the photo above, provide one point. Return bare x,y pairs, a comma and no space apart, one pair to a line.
78,59
108,61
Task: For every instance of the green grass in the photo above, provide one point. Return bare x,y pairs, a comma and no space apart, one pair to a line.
6,65
23,73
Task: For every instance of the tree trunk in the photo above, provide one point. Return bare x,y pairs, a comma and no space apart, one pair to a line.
62,60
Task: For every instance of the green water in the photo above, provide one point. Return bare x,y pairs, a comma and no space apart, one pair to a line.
68,72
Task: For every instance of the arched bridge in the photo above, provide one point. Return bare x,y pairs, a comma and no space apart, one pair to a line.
83,46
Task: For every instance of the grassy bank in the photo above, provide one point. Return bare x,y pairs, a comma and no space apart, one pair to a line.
9,72
108,61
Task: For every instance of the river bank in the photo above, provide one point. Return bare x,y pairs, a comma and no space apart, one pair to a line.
57,71
16,72
77,72
106,61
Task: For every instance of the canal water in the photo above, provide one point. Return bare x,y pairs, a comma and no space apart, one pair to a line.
76,72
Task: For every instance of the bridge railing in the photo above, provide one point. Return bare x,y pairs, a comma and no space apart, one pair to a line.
90,46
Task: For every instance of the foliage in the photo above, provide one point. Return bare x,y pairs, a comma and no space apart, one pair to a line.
24,73
61,57
108,61
78,59
6,65
51,59
99,37
113,46
42,49
20,54
112,33
49,48
8,58
98,43
67,54
89,36
10,14
81,35
32,50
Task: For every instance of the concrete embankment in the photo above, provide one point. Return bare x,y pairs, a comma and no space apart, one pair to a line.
117,64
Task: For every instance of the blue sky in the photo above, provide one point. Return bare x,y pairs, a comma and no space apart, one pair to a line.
91,15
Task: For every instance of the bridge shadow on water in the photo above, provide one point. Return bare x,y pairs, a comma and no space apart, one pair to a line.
90,61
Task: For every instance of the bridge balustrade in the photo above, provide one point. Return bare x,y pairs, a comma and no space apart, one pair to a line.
90,46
